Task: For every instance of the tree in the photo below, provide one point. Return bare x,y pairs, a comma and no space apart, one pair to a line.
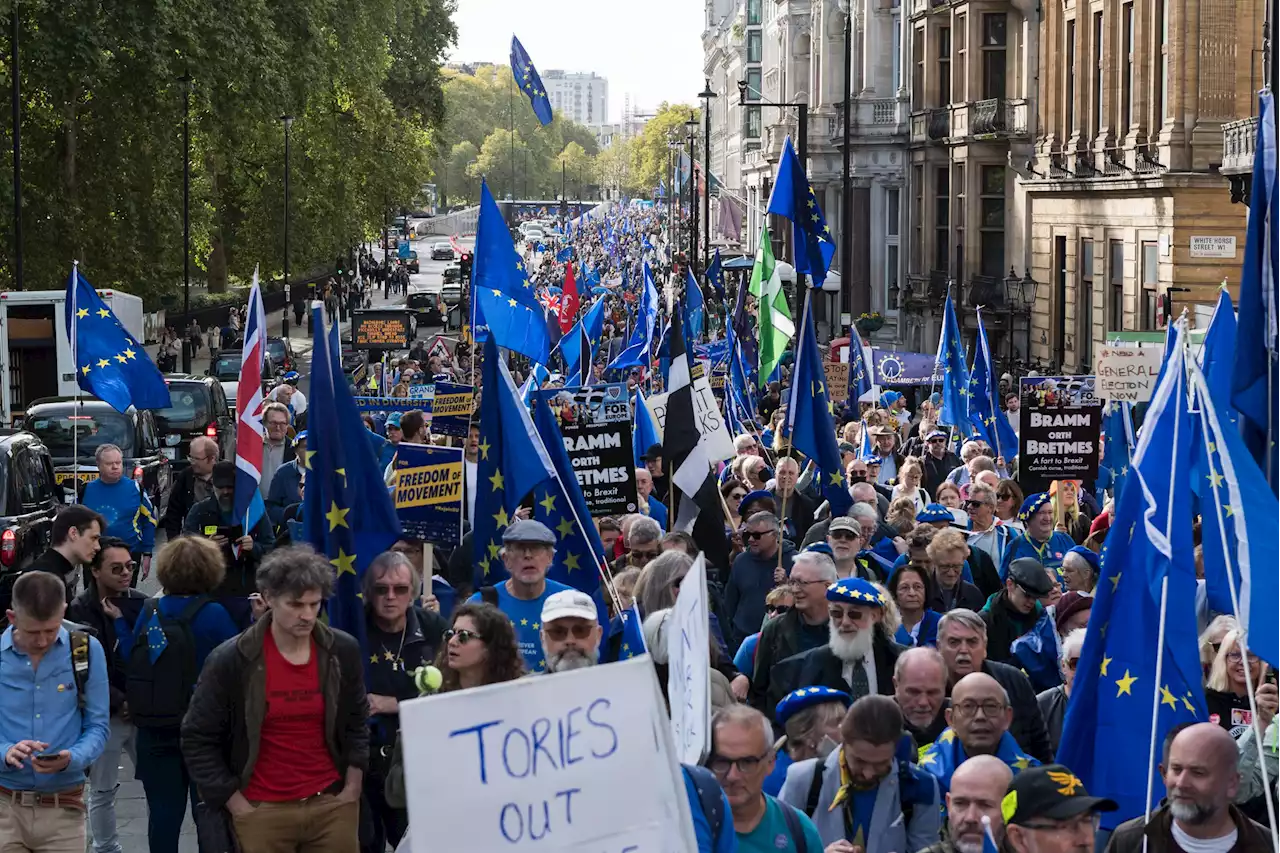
497,162
649,151
461,186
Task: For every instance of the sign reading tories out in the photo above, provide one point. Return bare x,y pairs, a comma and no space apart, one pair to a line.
428,492
380,330
1061,431
595,422
535,764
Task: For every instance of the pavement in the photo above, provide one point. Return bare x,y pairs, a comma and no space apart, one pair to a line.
131,804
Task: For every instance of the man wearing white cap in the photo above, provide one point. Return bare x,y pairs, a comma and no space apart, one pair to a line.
570,631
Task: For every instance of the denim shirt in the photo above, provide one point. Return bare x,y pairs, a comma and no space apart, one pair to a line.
40,704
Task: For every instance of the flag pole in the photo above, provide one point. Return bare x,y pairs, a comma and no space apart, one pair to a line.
75,333
1155,696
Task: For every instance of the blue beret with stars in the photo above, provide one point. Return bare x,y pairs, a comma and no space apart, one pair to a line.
933,513
1032,505
807,697
758,495
856,591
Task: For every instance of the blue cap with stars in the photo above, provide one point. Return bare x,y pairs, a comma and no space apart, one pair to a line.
1032,505
856,591
934,513
807,697
758,495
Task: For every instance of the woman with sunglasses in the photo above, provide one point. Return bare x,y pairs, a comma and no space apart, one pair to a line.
777,603
1009,500
1226,693
479,648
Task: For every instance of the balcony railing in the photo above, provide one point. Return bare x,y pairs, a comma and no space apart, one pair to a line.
999,116
1084,166
939,123
874,116
1238,141
986,291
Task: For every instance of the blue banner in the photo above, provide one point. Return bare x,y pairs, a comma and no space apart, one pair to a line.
428,492
904,368
391,404
451,409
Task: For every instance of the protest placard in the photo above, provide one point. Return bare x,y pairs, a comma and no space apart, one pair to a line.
380,330
578,761
595,422
451,409
715,438
428,492
1128,374
689,672
837,380
1061,431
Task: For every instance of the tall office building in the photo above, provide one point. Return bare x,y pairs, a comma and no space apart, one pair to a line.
583,97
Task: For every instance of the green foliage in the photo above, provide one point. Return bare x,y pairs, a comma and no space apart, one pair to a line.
102,133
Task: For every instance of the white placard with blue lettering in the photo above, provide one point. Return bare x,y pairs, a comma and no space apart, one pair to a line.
689,673
579,762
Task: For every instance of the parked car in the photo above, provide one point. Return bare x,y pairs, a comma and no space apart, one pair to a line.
425,307
280,351
199,408
453,274
29,499
227,371
73,431
451,294
412,263
442,251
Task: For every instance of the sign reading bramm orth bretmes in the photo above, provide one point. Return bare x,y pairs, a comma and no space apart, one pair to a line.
1061,431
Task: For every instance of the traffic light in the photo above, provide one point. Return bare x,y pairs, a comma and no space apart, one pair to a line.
464,266
340,266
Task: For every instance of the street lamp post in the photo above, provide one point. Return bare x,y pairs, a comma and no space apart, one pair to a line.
185,80
691,135
706,95
15,78
673,235
858,301
288,123
802,142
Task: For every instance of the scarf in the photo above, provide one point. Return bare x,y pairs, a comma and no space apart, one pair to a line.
943,756
859,805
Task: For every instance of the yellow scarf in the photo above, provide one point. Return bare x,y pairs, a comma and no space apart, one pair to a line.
846,790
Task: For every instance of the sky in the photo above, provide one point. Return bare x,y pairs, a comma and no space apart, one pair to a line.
652,49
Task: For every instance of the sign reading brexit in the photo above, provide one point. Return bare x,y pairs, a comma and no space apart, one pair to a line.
380,330
1061,431
595,421
535,764
428,492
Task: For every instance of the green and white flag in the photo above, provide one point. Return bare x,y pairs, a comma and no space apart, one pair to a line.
774,321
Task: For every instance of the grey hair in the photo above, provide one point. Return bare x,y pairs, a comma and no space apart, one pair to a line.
1080,564
383,563
867,511
295,570
1072,643
978,464
654,629
911,655
964,619
820,562
104,449
743,441
275,406
764,517
787,462
969,449
643,531
745,716
653,590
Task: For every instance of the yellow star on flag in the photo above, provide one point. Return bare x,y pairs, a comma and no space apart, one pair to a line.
1022,762
102,362
82,313
122,359
373,658
496,479
307,462
1186,703
337,517
565,527
571,562
1106,661
524,623
129,353
502,518
1115,581
85,370
104,313
548,503
947,736
345,562
484,449
493,550
1168,698
1230,510
837,479
1125,684
512,303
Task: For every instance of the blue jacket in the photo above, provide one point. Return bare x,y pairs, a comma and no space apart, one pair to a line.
658,512
210,629
724,841
926,636
127,509
285,491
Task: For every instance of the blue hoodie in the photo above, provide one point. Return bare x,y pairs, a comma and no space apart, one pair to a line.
127,509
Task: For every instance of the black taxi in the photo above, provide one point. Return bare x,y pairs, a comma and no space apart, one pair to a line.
29,499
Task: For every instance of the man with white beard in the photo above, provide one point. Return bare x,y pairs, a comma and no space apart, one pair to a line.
570,631
859,656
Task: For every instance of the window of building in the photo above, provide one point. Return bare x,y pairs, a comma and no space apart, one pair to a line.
944,66
753,13
995,39
1115,286
1084,308
895,53
1126,73
914,258
1070,50
1150,285
958,217
917,70
960,90
754,44
753,84
891,275
1161,106
751,122
941,219
1096,112
891,214
993,207
1060,300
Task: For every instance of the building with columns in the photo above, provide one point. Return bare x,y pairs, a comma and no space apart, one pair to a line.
1123,199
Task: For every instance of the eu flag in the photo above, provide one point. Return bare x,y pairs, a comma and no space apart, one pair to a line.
1146,591
859,377
348,514
592,324
715,275
793,198
110,363
157,642
529,82
955,376
504,298
745,336
984,410
513,462
693,307
644,432
632,634
1117,442
640,343
809,417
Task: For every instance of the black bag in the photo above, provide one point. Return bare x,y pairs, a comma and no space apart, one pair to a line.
158,693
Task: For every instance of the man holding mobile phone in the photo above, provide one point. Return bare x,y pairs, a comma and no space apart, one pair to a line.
42,779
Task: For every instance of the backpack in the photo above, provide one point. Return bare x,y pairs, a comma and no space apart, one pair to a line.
158,693
795,829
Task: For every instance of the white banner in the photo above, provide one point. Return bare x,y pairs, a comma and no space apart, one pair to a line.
536,764
689,670
1127,374
715,438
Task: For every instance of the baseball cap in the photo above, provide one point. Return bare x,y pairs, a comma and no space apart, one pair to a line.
393,420
844,522
1029,573
1052,792
567,604
654,452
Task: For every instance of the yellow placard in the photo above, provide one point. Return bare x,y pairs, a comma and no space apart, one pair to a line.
84,476
428,485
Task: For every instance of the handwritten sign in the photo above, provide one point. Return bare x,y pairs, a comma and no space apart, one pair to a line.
837,380
1128,374
689,674
715,438
428,492
380,330
535,764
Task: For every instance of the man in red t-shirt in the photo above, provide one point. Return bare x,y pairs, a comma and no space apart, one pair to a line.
288,696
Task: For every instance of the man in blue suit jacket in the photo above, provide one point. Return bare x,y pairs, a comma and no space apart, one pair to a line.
286,486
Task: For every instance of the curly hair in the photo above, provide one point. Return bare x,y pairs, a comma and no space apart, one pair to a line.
505,663
189,565
901,515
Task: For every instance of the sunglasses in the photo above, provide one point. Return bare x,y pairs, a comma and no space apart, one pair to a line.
383,590
777,609
642,555
753,535
123,568
842,535
463,635
580,631
974,504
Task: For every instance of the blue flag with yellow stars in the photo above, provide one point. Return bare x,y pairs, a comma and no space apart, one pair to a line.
640,343
505,301
941,758
793,198
157,642
1148,560
348,514
513,462
809,417
693,308
859,377
955,376
984,409
110,363
632,634
715,275
529,82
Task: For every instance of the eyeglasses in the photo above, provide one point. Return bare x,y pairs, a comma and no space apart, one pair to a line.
777,609
580,631
990,708
464,636
123,568
1236,657
753,535
797,584
746,765
383,590
191,458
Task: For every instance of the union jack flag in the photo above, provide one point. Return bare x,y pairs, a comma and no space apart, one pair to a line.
249,403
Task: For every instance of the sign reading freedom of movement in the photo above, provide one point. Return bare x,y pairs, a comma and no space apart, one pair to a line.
451,409
428,492
380,330
596,424
714,434
1128,374
535,765
1061,431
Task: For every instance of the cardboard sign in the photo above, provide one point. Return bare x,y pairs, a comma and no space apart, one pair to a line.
428,492
536,763
380,330
1128,374
837,380
1061,431
595,422
715,438
689,673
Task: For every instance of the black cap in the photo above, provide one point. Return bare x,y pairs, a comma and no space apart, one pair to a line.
654,452
224,475
1029,573
1052,792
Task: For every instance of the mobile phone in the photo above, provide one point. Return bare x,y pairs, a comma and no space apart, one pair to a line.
48,756
1270,677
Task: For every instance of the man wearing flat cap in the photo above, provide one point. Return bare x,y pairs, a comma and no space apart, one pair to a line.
1014,610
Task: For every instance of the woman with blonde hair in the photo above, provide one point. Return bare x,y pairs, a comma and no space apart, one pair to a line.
1211,639
908,485
1226,693
1072,516
901,515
